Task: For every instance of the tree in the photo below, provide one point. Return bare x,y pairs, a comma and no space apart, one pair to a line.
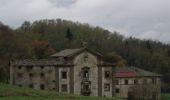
26,25
42,49
144,92
117,59
69,34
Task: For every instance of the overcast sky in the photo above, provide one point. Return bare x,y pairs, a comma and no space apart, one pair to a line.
138,18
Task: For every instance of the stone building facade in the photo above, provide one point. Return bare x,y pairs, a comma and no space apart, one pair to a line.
77,71
133,82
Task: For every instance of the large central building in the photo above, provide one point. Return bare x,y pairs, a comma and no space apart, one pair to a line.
77,71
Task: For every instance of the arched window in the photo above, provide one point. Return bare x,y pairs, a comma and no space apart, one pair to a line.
85,72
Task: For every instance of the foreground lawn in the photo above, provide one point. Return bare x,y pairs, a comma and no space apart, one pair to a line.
165,97
9,92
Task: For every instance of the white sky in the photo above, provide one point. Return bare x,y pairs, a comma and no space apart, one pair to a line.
144,19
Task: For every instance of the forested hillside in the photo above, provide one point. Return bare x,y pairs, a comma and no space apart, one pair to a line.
41,38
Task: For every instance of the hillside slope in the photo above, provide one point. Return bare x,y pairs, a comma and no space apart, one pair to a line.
9,92
41,38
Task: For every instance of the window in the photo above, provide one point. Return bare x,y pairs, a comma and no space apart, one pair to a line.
53,80
144,81
154,96
107,74
19,75
29,67
153,81
64,88
20,85
117,90
31,86
106,87
42,67
117,82
86,74
42,74
19,67
31,75
42,87
86,87
64,75
126,82
135,81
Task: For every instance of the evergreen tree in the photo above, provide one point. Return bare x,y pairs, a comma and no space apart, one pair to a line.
69,34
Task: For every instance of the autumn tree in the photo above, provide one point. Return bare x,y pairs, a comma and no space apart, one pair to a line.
117,59
42,49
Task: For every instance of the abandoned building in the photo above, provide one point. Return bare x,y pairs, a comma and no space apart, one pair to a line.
78,71
133,81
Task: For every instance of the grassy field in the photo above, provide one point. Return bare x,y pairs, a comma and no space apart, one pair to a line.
9,92
165,97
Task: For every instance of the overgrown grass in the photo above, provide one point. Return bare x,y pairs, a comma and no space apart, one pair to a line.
165,97
10,92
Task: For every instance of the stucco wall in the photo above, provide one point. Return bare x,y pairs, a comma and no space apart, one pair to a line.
80,63
36,79
107,81
125,88
64,81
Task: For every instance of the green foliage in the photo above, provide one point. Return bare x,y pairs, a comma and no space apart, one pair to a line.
9,92
69,34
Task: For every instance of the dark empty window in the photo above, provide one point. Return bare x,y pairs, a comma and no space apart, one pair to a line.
29,67
117,90
64,75
86,74
64,88
53,80
126,82
31,75
106,87
107,74
31,86
42,87
19,75
20,85
42,67
135,81
19,67
42,74
153,80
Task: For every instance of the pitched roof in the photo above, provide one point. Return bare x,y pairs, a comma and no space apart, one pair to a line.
67,52
72,52
133,72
